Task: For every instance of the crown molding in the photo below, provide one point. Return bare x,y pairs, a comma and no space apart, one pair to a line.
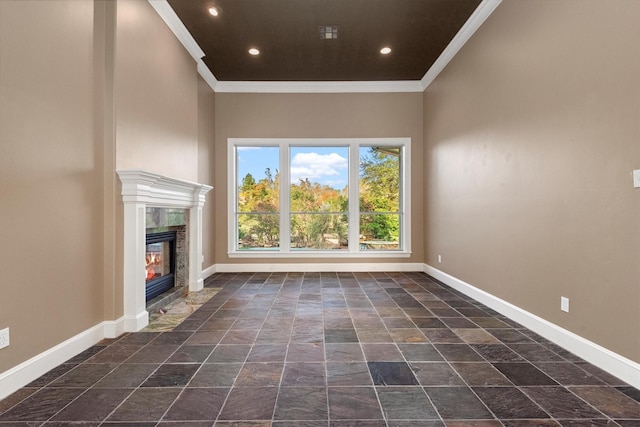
474,22
319,87
167,14
207,75
183,35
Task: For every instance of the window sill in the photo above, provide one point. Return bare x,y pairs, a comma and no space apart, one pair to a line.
319,254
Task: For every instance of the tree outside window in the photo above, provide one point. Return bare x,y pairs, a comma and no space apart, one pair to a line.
331,197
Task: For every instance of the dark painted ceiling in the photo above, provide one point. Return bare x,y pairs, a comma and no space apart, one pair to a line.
287,34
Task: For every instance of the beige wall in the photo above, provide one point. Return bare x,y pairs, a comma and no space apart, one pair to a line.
86,87
315,116
156,104
206,138
156,95
50,176
532,132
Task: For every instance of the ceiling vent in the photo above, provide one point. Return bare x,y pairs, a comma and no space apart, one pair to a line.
328,31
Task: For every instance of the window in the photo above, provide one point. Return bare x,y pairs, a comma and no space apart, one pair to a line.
306,197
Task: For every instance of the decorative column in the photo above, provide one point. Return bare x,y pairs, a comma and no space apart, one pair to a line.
196,258
135,312
142,189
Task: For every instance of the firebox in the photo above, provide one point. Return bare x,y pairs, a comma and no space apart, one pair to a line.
160,263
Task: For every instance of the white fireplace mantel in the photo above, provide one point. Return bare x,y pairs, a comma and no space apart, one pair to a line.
140,190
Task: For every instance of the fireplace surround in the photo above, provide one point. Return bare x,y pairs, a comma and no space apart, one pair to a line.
142,190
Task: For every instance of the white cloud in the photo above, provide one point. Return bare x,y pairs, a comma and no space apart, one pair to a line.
317,166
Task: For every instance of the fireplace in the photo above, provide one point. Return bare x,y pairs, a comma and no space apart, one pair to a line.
156,203
160,263
166,255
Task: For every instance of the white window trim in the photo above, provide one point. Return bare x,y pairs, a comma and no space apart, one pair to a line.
354,170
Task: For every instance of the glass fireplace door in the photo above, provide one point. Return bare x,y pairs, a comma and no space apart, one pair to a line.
160,263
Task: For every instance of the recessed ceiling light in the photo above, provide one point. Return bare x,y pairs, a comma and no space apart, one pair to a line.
214,11
385,50
253,51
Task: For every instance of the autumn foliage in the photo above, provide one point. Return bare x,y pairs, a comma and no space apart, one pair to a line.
319,217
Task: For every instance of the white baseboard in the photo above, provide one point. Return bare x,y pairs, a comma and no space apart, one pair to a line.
316,267
22,374
135,323
613,363
114,328
209,271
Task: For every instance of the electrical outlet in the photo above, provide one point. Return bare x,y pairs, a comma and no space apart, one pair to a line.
439,258
564,304
4,338
636,178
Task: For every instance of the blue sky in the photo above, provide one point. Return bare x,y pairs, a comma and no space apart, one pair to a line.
327,166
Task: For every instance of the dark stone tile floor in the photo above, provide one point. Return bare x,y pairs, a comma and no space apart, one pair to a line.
328,350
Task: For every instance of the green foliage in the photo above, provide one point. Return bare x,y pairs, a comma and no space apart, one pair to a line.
318,212
313,222
379,193
260,200
259,230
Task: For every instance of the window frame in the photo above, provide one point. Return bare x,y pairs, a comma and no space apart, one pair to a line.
354,145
